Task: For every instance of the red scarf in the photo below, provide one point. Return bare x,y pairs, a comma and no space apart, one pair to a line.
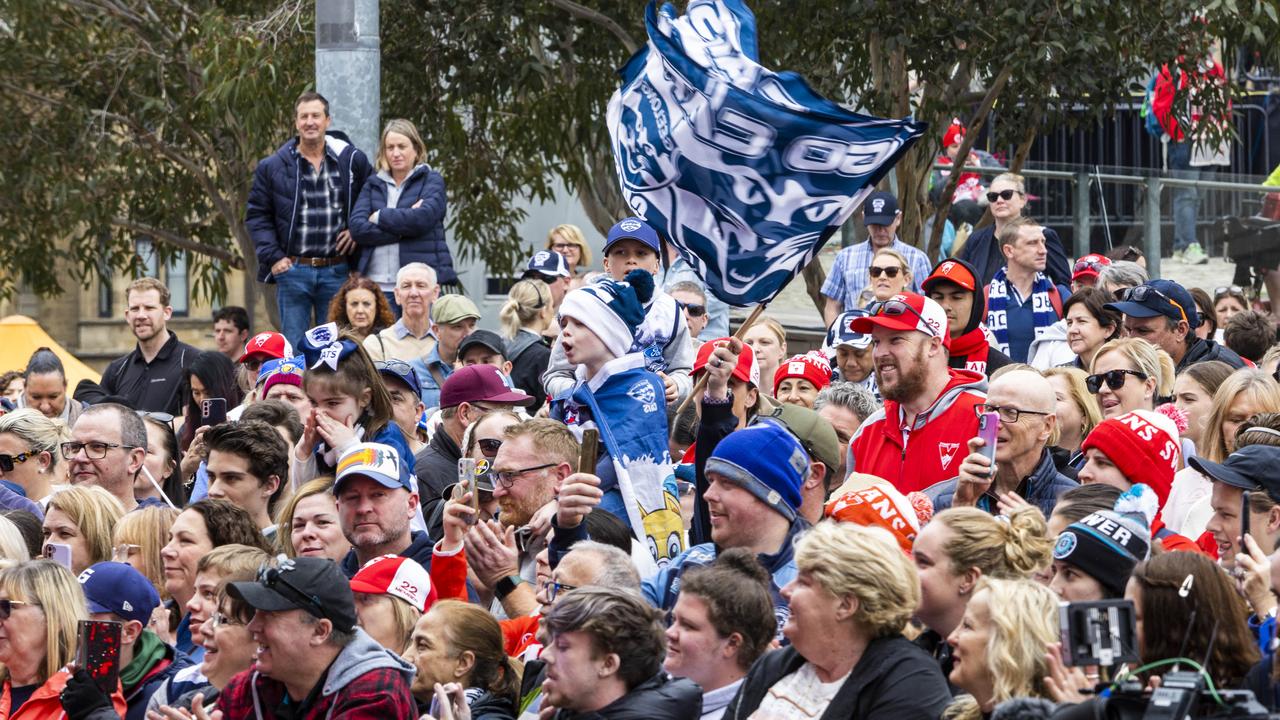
973,347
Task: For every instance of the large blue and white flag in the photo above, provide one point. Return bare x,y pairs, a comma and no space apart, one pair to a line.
746,170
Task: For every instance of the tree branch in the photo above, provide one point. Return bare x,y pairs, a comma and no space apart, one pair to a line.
585,13
234,261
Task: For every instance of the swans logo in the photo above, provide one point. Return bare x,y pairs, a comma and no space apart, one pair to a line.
748,184
947,453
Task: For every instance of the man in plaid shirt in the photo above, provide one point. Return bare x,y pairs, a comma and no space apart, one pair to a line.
301,198
312,661
848,276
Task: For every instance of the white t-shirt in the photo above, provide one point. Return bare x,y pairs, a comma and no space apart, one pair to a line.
798,696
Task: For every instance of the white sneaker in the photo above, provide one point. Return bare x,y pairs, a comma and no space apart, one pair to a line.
1195,255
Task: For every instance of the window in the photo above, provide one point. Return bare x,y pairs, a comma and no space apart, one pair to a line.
106,305
174,277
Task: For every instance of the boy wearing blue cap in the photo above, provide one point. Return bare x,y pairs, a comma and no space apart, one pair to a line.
117,592
663,336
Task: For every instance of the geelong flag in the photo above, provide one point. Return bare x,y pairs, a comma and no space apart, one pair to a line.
746,170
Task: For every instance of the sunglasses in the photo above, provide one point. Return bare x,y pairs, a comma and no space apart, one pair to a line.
8,461
1228,290
891,272
694,309
1114,379
7,606
1142,293
489,447
272,579
895,308
1086,265
1002,195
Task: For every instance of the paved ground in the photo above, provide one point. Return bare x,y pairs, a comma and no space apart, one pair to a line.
794,309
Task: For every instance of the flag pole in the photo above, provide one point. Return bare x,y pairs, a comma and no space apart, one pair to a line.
701,385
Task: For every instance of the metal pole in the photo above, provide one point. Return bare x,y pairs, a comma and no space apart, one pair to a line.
1151,227
349,68
1080,214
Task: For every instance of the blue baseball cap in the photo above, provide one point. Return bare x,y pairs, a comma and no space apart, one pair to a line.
401,371
633,228
1159,298
549,263
841,331
1252,467
116,588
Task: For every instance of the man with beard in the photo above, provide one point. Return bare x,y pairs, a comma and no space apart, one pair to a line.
919,436
954,285
149,376
377,499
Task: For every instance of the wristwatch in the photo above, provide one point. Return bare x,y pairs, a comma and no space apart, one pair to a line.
506,586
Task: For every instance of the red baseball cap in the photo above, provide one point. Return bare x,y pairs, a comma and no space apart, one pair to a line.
748,370
267,345
397,576
952,272
479,383
906,312
1088,266
954,134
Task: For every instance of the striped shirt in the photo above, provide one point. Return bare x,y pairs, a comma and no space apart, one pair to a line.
848,276
322,215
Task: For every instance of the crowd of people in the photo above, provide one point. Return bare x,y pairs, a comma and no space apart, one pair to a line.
610,508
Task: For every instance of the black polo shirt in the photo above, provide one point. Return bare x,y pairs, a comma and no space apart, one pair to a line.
151,386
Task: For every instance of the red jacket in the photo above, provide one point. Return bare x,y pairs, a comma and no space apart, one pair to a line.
931,451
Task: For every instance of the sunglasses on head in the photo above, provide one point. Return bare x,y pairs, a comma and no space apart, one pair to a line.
1142,293
1236,290
1114,379
8,461
891,272
894,308
1084,265
1002,195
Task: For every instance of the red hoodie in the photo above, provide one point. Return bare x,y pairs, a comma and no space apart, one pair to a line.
931,450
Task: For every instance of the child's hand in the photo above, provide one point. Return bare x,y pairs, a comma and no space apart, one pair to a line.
310,437
336,435
669,388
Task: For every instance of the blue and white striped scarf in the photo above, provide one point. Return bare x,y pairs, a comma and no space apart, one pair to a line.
998,304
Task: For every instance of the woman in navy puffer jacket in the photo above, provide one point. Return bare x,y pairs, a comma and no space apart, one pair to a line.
399,215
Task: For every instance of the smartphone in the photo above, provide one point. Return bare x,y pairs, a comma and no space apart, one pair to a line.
1244,519
59,553
467,481
988,425
213,411
99,652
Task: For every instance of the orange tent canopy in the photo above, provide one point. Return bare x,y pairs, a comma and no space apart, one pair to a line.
20,336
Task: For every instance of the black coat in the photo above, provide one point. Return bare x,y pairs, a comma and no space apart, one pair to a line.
1203,350
658,698
893,679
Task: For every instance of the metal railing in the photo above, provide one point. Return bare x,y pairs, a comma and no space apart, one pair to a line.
1082,182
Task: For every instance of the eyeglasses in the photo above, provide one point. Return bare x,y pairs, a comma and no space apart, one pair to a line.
273,579
489,447
894,308
1114,379
7,606
561,247
1002,195
507,478
1007,415
121,552
92,450
1142,293
555,588
8,461
219,620
891,272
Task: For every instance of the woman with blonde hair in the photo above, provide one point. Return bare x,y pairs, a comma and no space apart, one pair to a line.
459,643
851,598
768,340
83,517
569,241
1130,374
399,216
308,526
1007,198
30,441
527,313
998,656
41,605
888,275
138,538
1078,414
959,547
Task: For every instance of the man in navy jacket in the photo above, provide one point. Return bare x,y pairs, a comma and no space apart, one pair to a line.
298,214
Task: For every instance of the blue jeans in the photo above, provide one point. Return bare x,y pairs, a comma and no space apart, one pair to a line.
303,294
1186,201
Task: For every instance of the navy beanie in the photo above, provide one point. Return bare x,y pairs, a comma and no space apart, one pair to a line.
766,461
612,310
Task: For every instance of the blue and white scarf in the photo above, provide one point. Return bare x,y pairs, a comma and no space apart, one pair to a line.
745,170
998,306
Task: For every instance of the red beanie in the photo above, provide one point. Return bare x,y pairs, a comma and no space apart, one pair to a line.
811,366
953,135
1143,444
880,505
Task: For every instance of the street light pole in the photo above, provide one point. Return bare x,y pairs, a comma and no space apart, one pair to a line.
349,68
